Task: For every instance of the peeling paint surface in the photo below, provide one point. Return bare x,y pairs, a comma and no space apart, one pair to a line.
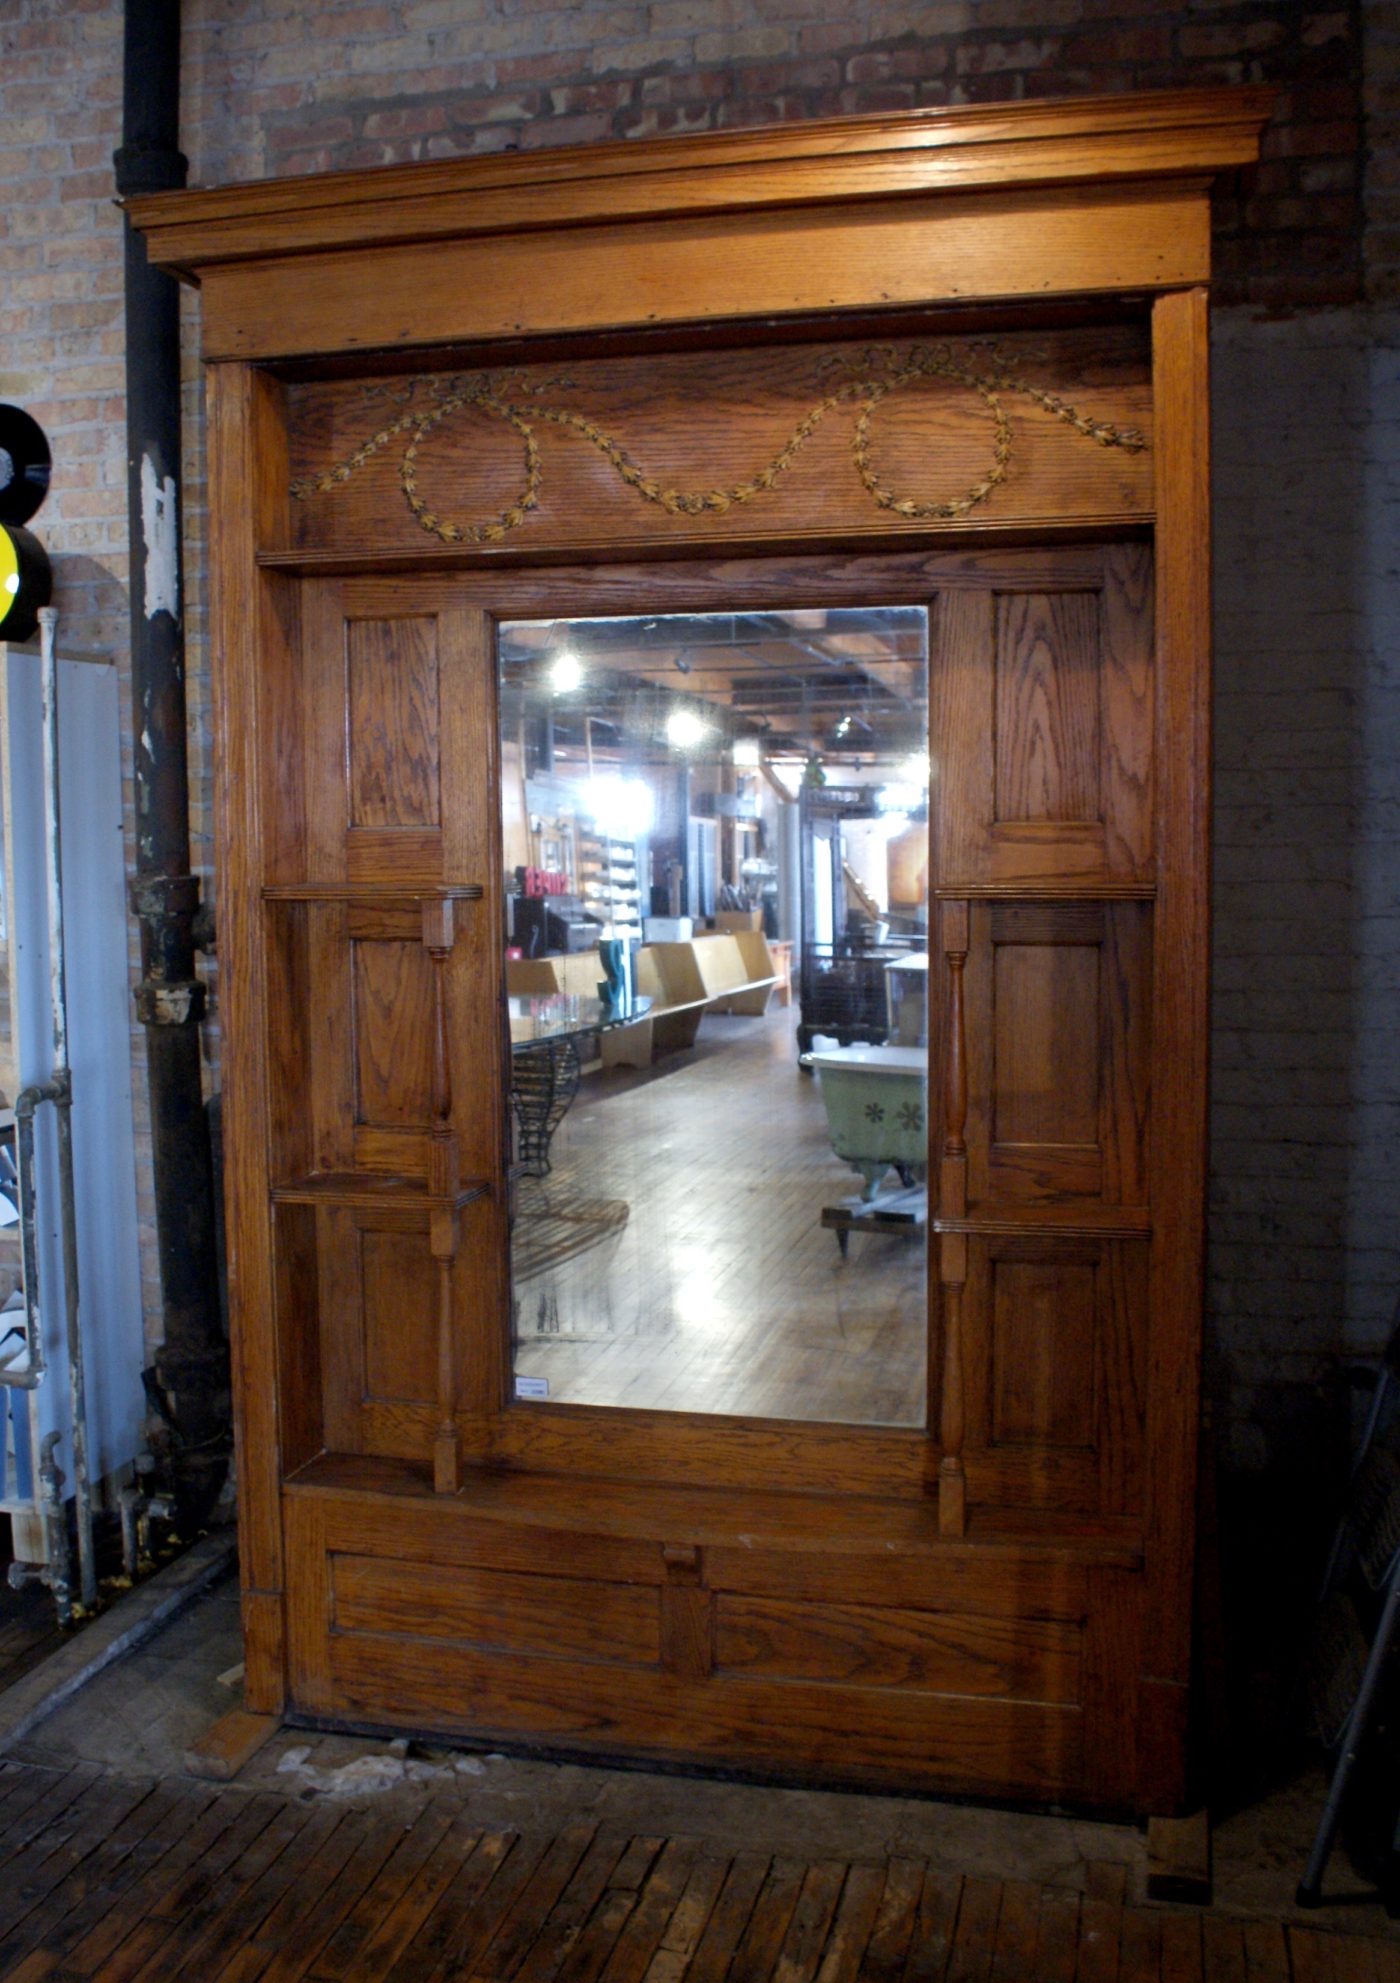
160,516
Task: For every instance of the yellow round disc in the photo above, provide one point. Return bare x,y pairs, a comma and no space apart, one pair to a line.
9,573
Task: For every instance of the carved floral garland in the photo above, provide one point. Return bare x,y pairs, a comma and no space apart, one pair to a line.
880,373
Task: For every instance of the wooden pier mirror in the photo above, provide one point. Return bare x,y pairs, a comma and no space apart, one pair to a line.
711,655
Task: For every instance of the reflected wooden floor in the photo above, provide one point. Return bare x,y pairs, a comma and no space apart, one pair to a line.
716,1289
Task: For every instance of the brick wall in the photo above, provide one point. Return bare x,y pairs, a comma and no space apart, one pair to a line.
1305,1236
1307,1121
1380,102
277,88
62,344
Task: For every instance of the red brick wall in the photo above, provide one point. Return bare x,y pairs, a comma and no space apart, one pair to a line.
360,85
1380,103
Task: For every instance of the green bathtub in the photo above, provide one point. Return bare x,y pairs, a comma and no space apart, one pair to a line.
877,1109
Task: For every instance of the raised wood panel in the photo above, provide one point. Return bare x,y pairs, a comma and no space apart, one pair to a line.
391,726
1042,726
880,1646
398,1297
1047,709
393,1033
1045,1053
1056,1332
300,1425
707,424
1058,1003
370,710
378,1324
1044,1325
504,1611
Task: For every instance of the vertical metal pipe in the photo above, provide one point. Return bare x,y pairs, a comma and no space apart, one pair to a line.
63,1100
60,1570
190,1380
25,1104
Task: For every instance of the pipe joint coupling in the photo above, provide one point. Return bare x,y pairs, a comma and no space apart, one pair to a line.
163,1002
159,898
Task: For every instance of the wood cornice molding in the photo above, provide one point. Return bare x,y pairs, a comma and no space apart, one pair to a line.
1092,142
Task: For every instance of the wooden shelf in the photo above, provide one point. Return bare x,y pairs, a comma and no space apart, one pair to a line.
378,892
367,1190
737,1519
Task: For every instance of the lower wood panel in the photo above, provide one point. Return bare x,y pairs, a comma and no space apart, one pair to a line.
781,1633
904,1651
839,1733
497,1611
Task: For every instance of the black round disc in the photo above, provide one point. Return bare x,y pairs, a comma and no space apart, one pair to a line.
25,463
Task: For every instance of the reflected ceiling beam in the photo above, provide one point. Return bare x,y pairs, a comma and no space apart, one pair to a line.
791,675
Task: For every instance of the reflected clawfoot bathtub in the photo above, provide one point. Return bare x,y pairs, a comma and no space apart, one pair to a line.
876,1108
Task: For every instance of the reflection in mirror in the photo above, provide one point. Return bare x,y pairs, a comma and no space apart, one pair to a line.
715,834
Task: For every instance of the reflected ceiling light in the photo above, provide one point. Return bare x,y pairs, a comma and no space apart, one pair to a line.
914,771
565,672
622,808
685,729
747,753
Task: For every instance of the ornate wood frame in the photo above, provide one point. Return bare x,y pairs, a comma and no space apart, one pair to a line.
950,222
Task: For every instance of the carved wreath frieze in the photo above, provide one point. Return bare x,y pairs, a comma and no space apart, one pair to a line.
864,384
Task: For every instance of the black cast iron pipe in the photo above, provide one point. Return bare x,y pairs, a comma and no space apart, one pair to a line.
189,1384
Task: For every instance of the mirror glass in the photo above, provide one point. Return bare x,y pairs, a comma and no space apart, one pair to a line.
715,840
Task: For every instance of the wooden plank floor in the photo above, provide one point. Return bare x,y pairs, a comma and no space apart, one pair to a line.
139,1880
674,1259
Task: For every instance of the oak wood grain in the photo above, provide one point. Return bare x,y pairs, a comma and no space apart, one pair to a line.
1181,1019
713,421
246,467
836,1620
1136,135
913,252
